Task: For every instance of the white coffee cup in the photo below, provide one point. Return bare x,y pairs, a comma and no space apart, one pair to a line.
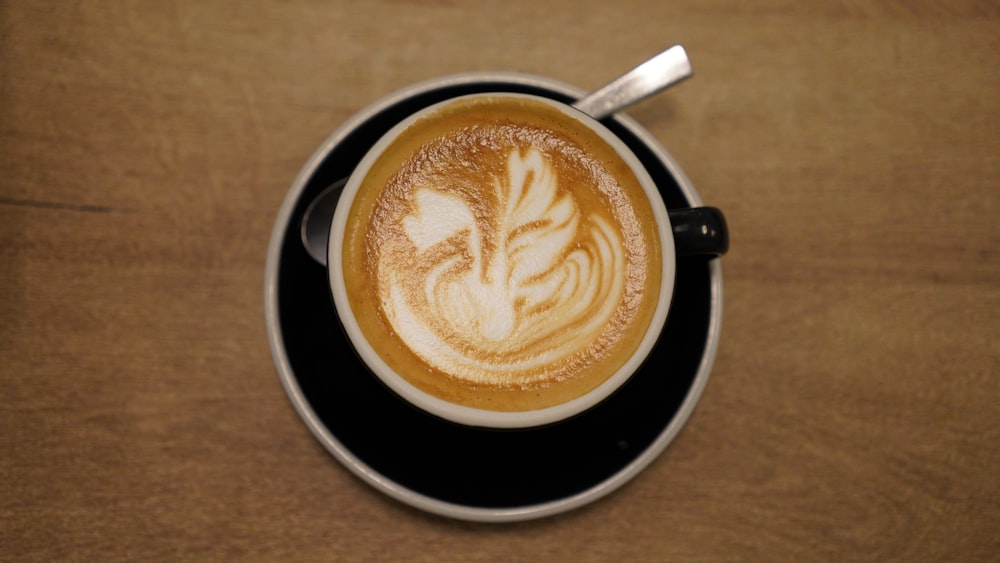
480,417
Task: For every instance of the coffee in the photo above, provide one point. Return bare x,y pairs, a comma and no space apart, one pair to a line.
502,255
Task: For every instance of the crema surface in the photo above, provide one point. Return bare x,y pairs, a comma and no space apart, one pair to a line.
500,254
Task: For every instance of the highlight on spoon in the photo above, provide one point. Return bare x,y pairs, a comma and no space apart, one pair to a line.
315,226
660,72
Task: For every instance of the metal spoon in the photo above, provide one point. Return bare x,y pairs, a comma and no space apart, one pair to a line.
656,74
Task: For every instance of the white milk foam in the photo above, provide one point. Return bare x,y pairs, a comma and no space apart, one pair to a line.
499,312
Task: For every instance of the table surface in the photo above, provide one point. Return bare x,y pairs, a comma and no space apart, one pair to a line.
146,147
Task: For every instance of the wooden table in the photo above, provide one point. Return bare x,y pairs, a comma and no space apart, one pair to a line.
146,148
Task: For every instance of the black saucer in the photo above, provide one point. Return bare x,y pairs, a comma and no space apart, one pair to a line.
466,472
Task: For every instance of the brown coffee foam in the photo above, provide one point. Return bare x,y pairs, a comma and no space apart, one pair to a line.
462,151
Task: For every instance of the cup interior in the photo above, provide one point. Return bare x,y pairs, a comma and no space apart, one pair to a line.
472,416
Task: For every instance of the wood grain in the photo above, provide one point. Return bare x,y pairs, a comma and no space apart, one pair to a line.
146,147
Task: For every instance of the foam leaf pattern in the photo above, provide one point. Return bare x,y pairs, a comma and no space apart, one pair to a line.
512,291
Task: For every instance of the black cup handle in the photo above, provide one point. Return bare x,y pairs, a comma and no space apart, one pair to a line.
699,231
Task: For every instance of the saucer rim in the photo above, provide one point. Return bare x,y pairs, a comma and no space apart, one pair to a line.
409,496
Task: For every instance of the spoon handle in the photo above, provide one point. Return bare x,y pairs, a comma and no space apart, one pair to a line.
663,70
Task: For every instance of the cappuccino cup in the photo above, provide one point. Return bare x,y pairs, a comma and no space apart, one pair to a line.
503,260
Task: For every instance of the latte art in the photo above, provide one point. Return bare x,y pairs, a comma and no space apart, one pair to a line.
501,255
497,299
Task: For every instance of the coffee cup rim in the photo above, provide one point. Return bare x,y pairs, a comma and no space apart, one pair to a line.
472,416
